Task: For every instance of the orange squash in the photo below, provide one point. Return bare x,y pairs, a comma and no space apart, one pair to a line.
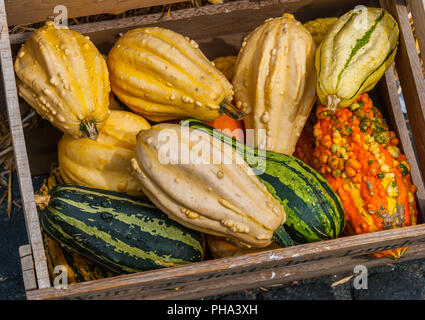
230,126
358,155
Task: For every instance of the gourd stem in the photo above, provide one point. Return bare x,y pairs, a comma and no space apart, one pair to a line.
333,101
230,110
282,238
42,201
89,128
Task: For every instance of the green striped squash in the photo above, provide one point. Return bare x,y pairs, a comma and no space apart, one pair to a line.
313,209
118,231
354,55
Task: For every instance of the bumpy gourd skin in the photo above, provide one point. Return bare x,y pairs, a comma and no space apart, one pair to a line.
359,157
163,75
354,55
62,75
319,28
222,198
274,81
105,163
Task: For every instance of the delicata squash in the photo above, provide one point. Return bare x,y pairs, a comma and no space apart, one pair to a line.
219,196
354,55
105,163
62,75
358,155
275,82
162,75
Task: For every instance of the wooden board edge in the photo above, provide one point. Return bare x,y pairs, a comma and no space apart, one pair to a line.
20,12
145,284
27,267
93,27
410,75
388,89
21,160
417,9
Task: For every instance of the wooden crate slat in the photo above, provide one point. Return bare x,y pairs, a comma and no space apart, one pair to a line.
411,78
21,160
208,21
32,11
417,9
214,26
144,284
388,89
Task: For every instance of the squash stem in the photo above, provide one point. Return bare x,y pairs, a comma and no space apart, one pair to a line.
89,128
333,102
42,201
230,110
282,238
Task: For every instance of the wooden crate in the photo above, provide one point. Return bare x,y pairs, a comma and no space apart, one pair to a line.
219,30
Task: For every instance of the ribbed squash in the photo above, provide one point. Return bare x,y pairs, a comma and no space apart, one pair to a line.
207,187
163,75
274,81
359,157
105,163
354,55
65,79
223,247
319,28
117,231
313,209
79,268
226,65
228,125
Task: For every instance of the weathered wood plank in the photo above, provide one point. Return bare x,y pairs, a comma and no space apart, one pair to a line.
24,250
395,118
29,280
417,9
211,21
410,75
159,282
21,160
31,11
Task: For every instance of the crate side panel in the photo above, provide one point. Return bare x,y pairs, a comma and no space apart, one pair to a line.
146,284
21,160
32,11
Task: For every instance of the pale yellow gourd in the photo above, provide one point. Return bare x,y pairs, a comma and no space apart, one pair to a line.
206,186
162,75
62,75
275,82
354,55
105,163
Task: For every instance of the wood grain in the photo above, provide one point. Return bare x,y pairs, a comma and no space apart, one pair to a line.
31,11
395,118
21,160
417,8
27,267
220,273
219,30
410,75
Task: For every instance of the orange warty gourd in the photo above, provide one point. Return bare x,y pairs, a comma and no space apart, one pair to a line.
358,155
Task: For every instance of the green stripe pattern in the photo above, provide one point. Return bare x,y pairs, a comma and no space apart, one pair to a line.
118,231
314,211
